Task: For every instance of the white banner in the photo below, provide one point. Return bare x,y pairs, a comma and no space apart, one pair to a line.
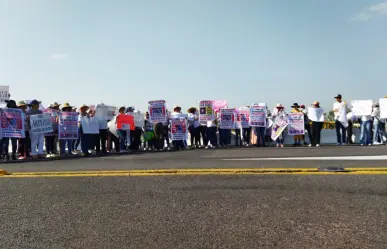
383,107
41,123
361,107
105,112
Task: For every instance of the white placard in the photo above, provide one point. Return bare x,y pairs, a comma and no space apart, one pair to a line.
383,107
41,123
90,125
4,93
361,107
316,114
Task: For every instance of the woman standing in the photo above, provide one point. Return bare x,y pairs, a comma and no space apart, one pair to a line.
297,138
279,112
316,114
122,134
85,139
37,140
193,127
24,143
63,142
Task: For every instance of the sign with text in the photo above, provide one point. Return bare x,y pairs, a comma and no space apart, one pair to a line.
278,127
12,123
68,125
178,129
41,124
227,118
258,115
206,111
243,117
361,107
4,93
157,111
296,124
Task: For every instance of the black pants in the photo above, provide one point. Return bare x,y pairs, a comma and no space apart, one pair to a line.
194,135
349,132
307,128
166,134
203,133
50,144
340,137
24,145
246,134
238,140
113,140
211,136
136,142
103,138
5,145
95,142
316,132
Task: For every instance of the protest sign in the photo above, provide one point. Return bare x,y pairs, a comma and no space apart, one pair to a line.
316,114
219,104
157,111
90,125
104,112
12,123
258,115
68,125
178,129
41,124
4,93
206,111
139,119
227,118
113,127
53,114
279,126
296,124
125,122
243,117
383,107
361,107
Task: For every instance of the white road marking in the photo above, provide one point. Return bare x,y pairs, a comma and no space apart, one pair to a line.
344,158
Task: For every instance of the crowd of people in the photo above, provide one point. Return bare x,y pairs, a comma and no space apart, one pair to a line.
156,136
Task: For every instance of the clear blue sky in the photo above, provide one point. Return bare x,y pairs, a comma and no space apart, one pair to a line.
129,52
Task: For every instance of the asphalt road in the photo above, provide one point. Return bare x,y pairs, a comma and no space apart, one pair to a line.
234,211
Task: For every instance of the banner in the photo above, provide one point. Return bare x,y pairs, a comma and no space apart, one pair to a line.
206,111
296,124
105,112
383,107
258,115
4,93
361,107
227,118
178,129
243,117
90,125
157,111
41,124
125,122
316,114
278,127
68,125
12,123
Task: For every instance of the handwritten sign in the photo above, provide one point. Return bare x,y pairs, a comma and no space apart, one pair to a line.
41,123
361,107
68,125
296,124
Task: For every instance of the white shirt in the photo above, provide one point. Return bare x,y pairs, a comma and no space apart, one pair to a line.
337,107
365,118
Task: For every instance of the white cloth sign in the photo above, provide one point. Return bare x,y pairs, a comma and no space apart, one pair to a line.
113,127
361,107
4,93
316,114
41,123
383,107
105,112
90,125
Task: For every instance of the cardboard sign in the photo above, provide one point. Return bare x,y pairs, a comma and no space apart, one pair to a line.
227,118
12,123
296,124
68,125
125,122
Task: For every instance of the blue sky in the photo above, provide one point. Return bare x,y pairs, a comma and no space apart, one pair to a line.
129,52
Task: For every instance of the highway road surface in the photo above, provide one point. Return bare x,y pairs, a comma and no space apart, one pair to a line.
230,198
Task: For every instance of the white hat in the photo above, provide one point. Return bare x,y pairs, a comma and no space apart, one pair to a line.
279,106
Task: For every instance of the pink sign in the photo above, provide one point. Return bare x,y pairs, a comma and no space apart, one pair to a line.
219,104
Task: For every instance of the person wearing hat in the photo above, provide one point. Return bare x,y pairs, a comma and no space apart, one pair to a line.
279,112
178,144
37,140
296,138
135,136
24,143
306,125
5,141
63,142
148,133
50,137
166,129
85,138
193,127
339,108
379,132
56,107
317,123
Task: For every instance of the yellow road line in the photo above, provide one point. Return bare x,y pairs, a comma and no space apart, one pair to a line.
208,171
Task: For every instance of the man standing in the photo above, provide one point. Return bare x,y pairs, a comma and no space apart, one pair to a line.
339,109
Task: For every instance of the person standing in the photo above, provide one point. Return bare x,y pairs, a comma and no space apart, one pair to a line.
63,142
5,140
306,125
365,130
297,138
85,138
24,143
37,140
317,124
339,109
193,127
122,134
279,112
50,137
177,144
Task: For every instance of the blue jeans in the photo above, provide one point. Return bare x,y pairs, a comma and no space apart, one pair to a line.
85,141
340,137
224,136
260,132
365,132
122,138
63,143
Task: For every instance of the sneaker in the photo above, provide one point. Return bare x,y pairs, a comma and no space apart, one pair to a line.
376,143
339,144
48,156
13,157
369,144
361,144
309,145
317,145
281,145
21,158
